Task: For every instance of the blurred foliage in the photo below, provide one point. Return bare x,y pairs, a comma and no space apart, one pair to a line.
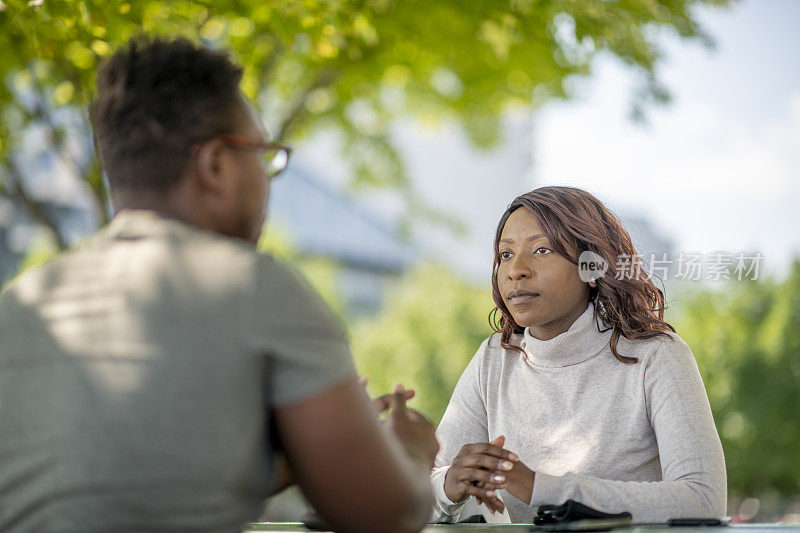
349,65
745,336
746,339
431,326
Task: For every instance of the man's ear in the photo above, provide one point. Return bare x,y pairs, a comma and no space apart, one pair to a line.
211,167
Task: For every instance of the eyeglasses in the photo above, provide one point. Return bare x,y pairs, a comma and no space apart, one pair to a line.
274,157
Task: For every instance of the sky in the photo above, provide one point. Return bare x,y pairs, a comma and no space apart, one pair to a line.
718,169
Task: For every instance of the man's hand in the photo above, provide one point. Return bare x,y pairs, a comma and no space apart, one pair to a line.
478,470
415,432
381,403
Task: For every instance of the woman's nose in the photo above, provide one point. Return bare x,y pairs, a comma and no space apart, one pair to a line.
519,269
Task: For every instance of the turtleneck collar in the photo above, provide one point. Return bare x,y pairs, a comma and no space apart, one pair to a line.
580,342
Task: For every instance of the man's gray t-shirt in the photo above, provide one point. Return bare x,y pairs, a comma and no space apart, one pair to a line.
136,373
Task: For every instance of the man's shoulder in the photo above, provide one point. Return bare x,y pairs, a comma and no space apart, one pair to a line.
30,279
143,249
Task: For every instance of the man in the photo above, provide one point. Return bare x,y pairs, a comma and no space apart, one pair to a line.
137,371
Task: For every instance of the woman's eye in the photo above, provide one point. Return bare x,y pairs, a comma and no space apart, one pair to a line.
505,255
542,250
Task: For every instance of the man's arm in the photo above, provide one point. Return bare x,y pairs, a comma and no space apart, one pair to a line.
358,476
284,477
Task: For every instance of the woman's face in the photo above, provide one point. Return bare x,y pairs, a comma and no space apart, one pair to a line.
540,288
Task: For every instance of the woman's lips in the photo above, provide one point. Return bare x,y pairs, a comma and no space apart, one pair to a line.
521,297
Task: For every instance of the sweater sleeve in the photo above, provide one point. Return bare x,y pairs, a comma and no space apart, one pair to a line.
464,422
694,482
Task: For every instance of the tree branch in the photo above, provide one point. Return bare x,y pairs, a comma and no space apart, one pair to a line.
324,77
92,173
34,207
269,65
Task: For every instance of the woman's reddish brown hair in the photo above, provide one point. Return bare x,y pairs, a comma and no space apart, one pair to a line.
628,302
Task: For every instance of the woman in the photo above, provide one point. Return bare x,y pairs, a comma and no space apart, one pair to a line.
585,392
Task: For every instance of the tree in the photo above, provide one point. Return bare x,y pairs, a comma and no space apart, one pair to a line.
746,338
350,65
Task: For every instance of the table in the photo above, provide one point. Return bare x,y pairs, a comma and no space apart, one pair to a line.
298,527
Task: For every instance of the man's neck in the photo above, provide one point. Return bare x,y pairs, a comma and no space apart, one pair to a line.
168,204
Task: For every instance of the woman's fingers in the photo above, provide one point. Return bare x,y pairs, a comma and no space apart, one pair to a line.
480,469
492,506
495,505
487,448
470,475
487,494
487,462
499,441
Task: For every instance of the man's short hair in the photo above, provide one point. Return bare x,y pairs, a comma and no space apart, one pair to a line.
156,98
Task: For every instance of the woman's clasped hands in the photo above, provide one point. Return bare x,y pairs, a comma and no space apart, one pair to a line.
482,468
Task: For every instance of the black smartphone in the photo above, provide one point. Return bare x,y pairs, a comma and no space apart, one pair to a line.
698,522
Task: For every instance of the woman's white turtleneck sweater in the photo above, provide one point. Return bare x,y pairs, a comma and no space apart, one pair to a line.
616,437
